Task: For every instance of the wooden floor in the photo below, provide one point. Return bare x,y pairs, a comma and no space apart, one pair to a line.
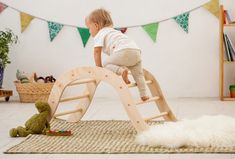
14,113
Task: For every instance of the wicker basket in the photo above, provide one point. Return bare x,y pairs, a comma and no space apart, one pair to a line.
31,92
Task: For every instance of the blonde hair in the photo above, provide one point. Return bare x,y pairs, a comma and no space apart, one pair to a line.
102,17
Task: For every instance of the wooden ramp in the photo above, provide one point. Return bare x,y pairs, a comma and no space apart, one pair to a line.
91,77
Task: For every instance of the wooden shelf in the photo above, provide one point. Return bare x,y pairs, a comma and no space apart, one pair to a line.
223,62
229,62
228,25
228,99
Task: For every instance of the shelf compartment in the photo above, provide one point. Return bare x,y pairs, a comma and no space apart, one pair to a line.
227,98
229,25
229,62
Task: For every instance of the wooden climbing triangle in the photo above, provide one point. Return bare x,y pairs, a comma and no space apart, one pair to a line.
91,77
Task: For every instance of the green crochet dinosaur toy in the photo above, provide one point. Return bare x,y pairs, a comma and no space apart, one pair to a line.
37,124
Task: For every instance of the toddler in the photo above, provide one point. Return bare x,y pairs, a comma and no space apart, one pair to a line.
123,53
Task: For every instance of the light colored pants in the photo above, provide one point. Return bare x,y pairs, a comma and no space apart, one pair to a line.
131,59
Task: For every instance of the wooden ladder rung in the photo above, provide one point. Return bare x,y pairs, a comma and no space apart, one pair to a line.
82,81
134,83
74,98
147,101
157,116
67,112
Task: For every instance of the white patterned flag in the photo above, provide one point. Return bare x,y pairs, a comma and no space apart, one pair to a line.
182,20
54,29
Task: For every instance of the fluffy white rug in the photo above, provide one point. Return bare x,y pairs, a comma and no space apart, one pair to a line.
215,131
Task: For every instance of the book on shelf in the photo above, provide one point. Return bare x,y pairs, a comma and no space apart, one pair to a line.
227,18
229,48
228,58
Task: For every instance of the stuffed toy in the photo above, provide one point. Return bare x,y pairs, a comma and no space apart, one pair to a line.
37,124
22,77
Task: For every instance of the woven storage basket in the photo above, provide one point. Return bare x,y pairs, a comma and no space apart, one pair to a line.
31,92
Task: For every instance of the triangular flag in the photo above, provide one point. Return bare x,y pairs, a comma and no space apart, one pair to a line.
182,20
85,34
2,7
123,30
25,20
151,29
213,7
54,29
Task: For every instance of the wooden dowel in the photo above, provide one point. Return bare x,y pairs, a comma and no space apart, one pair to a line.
134,84
67,112
157,116
147,101
82,81
74,98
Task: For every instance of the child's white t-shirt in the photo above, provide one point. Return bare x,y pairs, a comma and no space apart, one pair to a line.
112,40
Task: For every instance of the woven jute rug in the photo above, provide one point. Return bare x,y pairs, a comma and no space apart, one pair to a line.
97,137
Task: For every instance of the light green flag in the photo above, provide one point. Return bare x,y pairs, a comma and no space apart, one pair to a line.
151,29
54,29
182,20
85,34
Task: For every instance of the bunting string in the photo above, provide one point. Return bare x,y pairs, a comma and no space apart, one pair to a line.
151,29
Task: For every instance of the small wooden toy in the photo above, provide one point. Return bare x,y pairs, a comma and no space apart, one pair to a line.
58,133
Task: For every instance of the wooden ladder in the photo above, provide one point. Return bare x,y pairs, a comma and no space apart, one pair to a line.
91,77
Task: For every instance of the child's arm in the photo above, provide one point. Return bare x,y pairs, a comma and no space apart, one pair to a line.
97,56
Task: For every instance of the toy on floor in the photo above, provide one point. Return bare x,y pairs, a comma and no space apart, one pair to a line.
37,124
58,133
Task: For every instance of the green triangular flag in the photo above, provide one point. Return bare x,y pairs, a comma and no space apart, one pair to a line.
85,34
151,29
182,20
54,29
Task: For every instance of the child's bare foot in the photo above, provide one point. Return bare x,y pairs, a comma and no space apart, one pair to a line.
144,98
125,76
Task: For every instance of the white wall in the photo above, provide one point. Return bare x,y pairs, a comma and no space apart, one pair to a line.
186,65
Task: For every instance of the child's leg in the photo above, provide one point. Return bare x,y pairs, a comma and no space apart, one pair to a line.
119,61
138,75
119,71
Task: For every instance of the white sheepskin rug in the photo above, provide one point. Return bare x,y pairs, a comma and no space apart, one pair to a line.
214,131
